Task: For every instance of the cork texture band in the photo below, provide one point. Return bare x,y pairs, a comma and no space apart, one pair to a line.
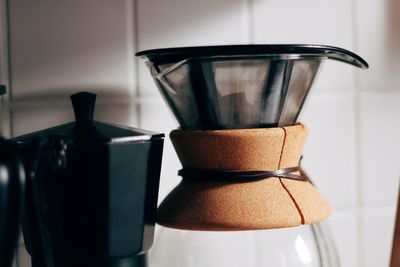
249,205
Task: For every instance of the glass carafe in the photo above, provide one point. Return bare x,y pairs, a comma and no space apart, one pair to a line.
303,246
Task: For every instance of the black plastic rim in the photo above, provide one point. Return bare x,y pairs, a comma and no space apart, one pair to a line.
171,55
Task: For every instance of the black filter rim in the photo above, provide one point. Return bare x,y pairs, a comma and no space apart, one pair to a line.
171,55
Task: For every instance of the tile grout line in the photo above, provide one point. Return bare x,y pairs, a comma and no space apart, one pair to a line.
358,174
8,51
5,66
4,61
357,144
9,62
136,61
250,21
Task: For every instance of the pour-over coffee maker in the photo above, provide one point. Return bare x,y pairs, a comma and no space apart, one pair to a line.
240,146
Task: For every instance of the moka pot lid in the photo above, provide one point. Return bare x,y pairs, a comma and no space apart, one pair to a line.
85,129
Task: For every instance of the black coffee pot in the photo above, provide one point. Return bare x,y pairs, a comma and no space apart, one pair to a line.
91,191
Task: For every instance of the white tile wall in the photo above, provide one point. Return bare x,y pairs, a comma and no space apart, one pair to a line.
329,154
351,152
188,23
191,23
59,47
378,39
29,119
4,74
33,118
377,236
380,146
306,21
343,227
3,43
309,22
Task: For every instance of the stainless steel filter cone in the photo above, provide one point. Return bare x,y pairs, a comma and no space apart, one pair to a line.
243,86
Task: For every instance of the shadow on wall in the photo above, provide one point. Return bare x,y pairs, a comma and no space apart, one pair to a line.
393,31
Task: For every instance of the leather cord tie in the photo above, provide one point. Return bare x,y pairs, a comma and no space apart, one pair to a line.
242,176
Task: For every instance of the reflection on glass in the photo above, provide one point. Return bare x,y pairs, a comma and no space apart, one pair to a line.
302,250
